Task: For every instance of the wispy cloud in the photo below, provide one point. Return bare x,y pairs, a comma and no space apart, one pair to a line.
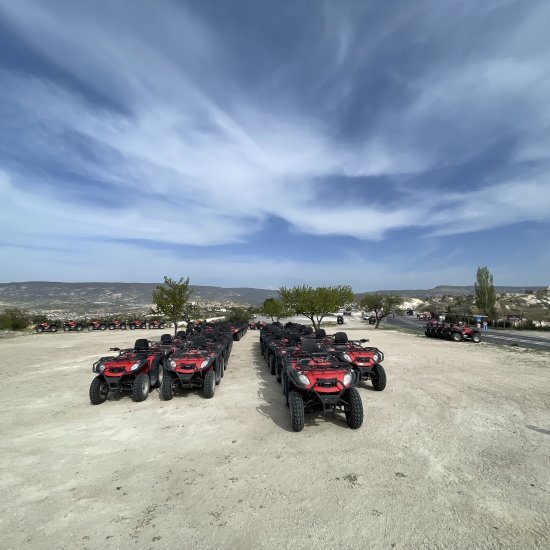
187,149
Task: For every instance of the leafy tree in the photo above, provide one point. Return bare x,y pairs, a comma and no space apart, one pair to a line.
14,318
171,299
381,305
485,293
238,315
315,303
274,308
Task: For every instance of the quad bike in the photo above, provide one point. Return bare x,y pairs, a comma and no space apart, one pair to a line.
365,360
197,364
340,319
97,325
238,330
135,370
116,324
72,325
137,324
156,323
47,327
457,333
315,380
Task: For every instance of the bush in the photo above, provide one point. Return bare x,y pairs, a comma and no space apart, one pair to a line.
14,318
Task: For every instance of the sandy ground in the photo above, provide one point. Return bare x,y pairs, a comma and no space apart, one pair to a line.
454,454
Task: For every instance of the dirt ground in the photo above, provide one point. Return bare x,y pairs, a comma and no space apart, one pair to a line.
453,454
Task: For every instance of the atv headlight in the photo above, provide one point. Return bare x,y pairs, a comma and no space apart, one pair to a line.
100,368
348,378
347,358
173,364
204,363
376,358
304,379
135,366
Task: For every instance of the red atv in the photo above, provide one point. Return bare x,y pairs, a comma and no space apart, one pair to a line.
47,327
72,325
116,324
316,380
238,330
138,324
156,323
459,332
365,360
97,325
197,364
134,370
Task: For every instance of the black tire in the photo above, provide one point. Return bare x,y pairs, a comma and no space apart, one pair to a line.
297,417
209,387
354,409
132,327
160,376
66,329
141,387
111,326
79,328
272,362
456,337
53,328
476,338
427,333
378,377
39,330
123,326
90,328
278,374
166,387
217,370
161,326
102,327
99,389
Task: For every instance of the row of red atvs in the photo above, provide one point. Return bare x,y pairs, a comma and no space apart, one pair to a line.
79,326
317,372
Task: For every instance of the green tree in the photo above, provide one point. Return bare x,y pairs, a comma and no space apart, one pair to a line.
275,309
171,299
14,318
238,315
485,294
315,303
381,305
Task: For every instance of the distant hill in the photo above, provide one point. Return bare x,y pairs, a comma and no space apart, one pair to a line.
82,298
449,290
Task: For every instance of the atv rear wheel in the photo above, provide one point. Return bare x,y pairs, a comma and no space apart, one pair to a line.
160,376
111,326
53,328
166,387
90,327
354,409
378,377
222,366
141,387
456,337
272,362
78,328
217,370
66,329
39,330
102,327
209,384
99,389
278,374
476,338
297,417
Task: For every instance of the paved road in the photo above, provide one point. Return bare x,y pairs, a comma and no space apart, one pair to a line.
503,337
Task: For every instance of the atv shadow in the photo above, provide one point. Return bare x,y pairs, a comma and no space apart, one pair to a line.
275,404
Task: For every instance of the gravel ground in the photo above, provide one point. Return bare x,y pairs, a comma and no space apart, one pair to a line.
453,454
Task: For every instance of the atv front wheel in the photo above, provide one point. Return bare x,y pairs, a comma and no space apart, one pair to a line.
456,337
141,387
354,409
218,370
39,330
378,377
209,384
78,328
166,388
66,329
103,327
111,327
476,338
297,418
53,328
99,389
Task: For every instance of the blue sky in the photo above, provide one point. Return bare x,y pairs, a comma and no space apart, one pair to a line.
257,143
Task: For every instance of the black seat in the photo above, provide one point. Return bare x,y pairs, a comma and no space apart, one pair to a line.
166,339
199,342
340,338
320,333
310,346
294,338
141,344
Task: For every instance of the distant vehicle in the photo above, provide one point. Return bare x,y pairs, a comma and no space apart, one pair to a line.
410,312
47,327
156,323
72,325
97,325
116,324
340,319
138,323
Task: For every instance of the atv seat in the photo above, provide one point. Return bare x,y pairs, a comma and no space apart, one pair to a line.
166,339
310,346
340,338
199,342
141,344
320,333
